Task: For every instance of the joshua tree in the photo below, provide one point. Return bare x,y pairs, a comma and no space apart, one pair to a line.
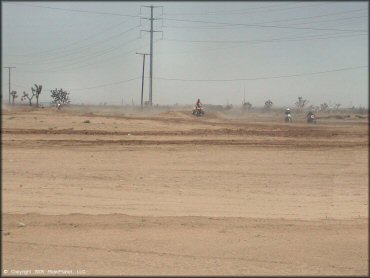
337,105
268,104
324,107
14,95
314,108
37,91
300,104
60,96
247,105
27,96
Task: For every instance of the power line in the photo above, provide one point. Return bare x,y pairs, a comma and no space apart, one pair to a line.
315,16
62,56
73,43
261,78
106,84
215,12
276,40
73,10
313,37
94,87
283,20
106,61
248,10
330,20
92,55
262,26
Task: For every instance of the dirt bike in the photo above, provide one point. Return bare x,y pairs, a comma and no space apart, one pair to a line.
311,119
198,111
288,118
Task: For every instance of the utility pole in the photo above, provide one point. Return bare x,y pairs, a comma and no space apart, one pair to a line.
151,51
142,78
9,68
244,95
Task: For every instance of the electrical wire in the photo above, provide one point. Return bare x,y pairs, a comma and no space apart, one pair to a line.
315,16
247,10
85,47
93,55
215,12
73,10
88,88
261,78
276,40
313,37
107,84
262,26
283,20
73,43
106,61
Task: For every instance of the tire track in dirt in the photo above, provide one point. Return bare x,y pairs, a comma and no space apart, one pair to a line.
122,250
278,132
252,143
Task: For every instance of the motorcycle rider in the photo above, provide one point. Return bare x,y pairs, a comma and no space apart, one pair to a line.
310,116
288,116
198,108
198,104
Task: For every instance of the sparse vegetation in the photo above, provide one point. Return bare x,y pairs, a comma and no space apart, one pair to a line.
60,96
14,96
268,105
360,110
37,91
324,107
247,106
228,106
336,106
301,103
27,96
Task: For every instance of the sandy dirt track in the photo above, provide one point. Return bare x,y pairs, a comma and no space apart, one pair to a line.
170,194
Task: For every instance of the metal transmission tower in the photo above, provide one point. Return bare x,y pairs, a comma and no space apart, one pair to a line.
151,49
142,78
9,68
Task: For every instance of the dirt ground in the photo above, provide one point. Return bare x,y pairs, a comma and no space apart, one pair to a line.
88,193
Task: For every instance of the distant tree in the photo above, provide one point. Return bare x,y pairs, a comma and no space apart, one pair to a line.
247,105
314,108
268,105
60,96
324,107
27,96
300,104
336,106
37,91
360,110
14,95
228,106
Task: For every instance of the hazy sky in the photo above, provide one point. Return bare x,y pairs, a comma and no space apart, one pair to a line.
212,50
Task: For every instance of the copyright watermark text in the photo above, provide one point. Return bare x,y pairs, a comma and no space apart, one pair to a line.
25,272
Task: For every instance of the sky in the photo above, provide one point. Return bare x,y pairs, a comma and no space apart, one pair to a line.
219,52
